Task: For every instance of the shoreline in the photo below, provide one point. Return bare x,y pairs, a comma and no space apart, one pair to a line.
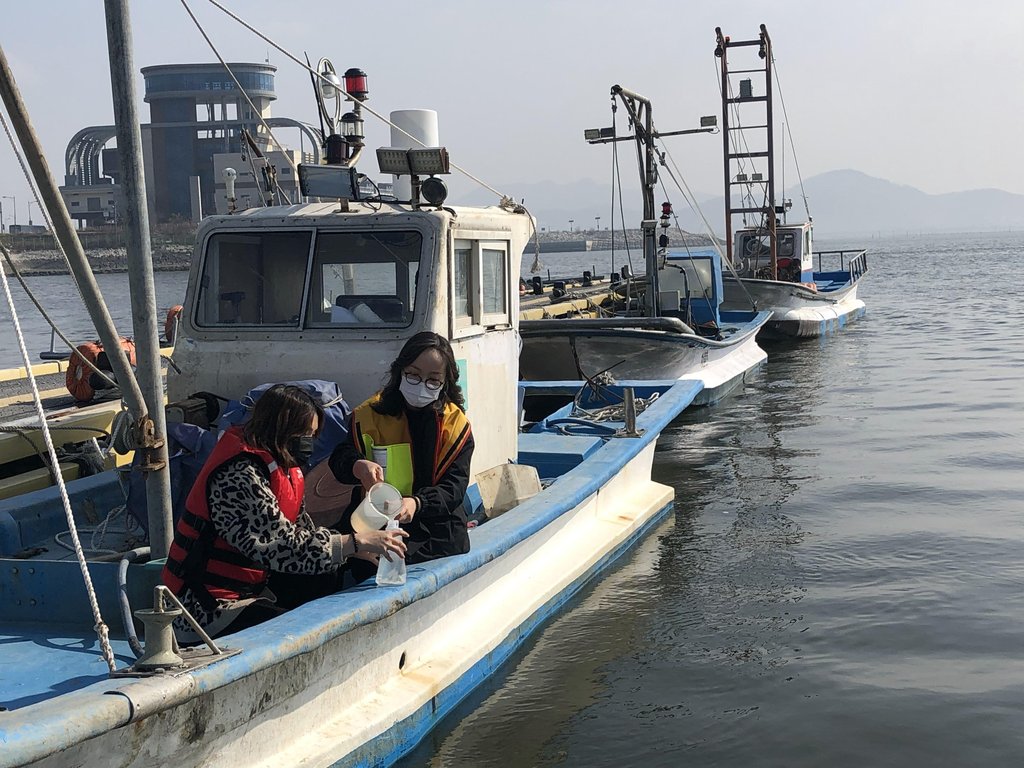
104,261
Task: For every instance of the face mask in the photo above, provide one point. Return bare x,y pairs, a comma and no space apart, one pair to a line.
301,448
417,395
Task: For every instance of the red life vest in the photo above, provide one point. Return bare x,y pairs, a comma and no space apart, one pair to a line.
199,557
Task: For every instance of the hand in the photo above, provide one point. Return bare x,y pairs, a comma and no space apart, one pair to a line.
382,543
369,473
408,510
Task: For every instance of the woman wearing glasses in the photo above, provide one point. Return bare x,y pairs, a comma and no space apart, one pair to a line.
244,548
414,432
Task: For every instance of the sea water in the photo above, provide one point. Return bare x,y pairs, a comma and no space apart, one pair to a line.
841,580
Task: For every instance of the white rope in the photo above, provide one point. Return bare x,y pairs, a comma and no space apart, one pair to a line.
99,626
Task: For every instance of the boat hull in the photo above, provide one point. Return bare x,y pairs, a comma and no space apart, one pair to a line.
644,354
797,311
359,677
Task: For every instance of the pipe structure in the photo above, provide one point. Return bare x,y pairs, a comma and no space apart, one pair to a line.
152,435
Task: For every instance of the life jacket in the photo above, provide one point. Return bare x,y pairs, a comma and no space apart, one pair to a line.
201,559
373,429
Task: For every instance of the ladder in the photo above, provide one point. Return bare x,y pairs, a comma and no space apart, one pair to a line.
747,89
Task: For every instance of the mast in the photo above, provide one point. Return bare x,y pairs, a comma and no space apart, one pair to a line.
639,109
733,155
151,435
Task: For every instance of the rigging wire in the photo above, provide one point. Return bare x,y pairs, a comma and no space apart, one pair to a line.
687,193
248,101
506,201
622,213
789,132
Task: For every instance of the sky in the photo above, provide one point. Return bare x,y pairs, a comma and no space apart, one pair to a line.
924,93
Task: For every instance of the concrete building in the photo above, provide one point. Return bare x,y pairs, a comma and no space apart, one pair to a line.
197,114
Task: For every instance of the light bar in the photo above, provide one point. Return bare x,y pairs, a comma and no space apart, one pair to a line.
392,160
422,161
428,161
330,181
596,134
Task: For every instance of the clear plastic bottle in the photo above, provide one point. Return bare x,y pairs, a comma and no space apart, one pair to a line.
391,572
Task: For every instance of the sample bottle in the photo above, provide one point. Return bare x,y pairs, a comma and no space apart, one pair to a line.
391,572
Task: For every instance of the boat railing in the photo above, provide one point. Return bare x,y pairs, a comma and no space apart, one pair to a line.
857,258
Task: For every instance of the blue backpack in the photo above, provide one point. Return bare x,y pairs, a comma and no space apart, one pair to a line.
189,446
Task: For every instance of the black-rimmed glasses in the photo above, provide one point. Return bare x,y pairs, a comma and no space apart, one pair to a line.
432,384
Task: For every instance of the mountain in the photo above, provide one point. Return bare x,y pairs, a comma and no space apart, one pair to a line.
843,202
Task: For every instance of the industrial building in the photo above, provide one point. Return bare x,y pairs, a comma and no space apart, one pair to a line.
197,118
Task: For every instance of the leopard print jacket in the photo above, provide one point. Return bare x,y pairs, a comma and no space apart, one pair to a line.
244,511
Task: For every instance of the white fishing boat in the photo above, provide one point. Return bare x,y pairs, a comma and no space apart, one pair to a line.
331,289
773,260
665,324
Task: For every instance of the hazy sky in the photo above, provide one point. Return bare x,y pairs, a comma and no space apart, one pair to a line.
921,92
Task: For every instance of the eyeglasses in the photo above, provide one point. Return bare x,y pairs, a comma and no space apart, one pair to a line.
432,384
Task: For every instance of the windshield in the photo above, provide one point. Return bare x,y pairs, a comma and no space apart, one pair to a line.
362,278
356,278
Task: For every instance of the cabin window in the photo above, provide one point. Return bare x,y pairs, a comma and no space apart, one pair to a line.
364,278
463,298
480,296
787,245
495,306
693,278
253,279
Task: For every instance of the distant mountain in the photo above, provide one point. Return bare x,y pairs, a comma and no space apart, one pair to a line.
843,202
850,201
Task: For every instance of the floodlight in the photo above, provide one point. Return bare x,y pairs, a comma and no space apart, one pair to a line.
393,160
428,161
330,181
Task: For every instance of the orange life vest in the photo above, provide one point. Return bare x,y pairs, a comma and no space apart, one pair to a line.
199,557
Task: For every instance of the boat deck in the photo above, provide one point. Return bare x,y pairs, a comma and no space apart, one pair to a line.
16,397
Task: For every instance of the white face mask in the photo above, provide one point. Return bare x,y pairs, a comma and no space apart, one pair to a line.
417,395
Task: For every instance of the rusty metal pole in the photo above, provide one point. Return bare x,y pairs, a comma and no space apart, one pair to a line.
151,432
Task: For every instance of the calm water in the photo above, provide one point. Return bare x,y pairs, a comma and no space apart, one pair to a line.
60,298
841,580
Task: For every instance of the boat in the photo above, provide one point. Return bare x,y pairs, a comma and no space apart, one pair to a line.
331,288
83,427
773,260
665,324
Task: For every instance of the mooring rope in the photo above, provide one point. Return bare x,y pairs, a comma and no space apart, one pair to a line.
101,628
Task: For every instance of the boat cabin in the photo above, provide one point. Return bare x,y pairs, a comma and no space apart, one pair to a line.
795,252
309,291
